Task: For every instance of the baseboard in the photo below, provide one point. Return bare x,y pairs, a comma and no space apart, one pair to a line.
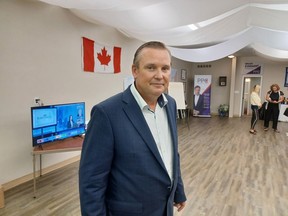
23,179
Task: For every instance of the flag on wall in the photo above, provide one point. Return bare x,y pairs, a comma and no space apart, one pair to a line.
99,58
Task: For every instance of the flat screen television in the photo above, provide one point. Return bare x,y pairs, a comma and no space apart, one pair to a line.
57,122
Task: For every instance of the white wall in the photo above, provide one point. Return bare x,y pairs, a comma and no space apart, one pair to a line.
40,55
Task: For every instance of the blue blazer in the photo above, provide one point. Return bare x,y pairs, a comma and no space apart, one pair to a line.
121,171
200,105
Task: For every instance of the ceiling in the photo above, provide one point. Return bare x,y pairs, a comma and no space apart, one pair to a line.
196,31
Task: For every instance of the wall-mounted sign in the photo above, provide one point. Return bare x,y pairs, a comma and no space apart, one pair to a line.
252,68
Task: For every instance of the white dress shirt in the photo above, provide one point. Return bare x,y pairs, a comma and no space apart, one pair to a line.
196,99
158,124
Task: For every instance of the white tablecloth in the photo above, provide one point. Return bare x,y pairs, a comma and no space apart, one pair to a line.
282,117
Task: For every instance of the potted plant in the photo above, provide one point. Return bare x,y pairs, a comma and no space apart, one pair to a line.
223,110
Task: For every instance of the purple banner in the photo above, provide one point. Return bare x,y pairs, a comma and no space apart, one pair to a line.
202,96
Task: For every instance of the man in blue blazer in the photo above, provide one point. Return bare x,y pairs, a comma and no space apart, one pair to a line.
130,164
198,101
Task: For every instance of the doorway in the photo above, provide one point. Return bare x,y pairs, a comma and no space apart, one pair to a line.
248,83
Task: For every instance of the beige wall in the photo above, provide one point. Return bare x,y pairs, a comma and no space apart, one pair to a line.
219,94
41,56
218,68
179,65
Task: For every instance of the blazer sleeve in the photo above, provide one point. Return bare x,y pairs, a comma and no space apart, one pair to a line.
179,193
95,163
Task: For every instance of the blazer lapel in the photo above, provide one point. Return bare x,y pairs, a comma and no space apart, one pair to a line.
135,115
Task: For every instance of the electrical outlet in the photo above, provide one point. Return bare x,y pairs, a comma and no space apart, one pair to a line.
37,100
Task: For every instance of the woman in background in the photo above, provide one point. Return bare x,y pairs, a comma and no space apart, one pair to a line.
274,98
255,105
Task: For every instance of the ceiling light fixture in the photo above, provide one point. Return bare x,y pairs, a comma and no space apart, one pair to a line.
193,27
231,56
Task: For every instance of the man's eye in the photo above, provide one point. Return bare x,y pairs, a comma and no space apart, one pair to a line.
165,69
151,68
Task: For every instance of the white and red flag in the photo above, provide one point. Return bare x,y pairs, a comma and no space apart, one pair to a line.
99,58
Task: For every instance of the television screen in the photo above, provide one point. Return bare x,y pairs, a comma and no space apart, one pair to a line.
57,122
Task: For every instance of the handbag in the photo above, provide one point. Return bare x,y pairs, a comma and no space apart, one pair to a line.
286,112
262,111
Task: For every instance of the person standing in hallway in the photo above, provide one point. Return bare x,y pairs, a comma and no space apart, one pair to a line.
129,162
274,98
255,105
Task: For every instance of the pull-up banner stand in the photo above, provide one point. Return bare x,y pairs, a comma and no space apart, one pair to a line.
202,96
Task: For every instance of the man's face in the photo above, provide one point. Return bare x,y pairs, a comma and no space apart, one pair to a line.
197,91
153,74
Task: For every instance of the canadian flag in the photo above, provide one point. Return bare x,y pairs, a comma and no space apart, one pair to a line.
99,58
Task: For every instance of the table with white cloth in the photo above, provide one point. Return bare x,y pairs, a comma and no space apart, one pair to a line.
282,117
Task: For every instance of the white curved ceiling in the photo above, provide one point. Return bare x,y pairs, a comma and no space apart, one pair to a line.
223,27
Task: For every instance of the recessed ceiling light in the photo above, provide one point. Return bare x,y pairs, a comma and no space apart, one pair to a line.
193,27
231,56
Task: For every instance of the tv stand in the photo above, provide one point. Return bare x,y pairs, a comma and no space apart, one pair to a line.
70,144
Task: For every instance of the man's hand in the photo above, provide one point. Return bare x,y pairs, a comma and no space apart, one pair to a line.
179,206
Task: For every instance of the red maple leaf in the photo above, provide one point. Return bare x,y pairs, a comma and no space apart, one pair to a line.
103,57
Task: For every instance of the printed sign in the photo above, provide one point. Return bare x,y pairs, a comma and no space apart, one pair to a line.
202,96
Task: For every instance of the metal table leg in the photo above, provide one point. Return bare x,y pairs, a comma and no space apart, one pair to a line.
34,175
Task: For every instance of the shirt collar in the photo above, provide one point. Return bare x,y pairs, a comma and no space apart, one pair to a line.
162,100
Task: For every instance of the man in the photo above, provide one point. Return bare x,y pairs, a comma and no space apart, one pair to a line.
130,163
198,101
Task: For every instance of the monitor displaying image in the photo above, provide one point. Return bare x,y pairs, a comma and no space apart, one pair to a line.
57,122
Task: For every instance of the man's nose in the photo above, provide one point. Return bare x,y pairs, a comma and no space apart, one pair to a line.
159,74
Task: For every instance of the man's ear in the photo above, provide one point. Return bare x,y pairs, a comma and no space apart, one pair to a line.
134,71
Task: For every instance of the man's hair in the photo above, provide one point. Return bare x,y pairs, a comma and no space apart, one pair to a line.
150,44
197,87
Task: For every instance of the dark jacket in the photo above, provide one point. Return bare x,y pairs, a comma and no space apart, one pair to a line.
200,104
121,171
